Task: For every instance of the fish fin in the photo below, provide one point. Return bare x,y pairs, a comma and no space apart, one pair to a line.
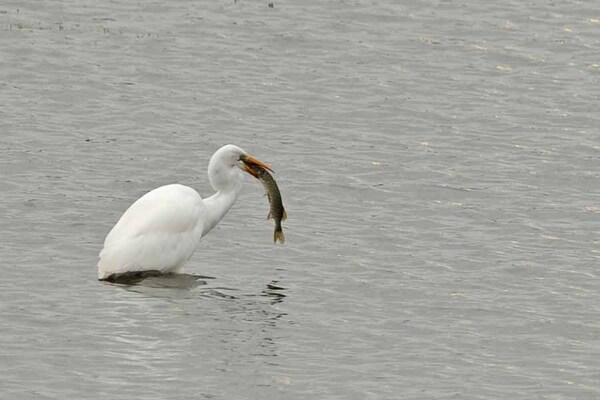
269,216
284,215
278,236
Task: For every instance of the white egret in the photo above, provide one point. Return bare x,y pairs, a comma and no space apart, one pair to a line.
161,230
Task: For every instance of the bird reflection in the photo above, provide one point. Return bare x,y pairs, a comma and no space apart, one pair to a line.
136,281
154,279
231,325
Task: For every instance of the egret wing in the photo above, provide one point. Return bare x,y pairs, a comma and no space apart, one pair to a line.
160,231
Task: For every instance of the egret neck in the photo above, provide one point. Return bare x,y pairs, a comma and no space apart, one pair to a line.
217,206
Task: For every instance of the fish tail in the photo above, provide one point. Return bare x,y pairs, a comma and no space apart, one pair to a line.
278,235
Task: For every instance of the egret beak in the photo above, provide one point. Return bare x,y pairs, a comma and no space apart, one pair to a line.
250,162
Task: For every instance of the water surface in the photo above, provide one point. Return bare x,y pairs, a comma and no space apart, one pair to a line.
438,161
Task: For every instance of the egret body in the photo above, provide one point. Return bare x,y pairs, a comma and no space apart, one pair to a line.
162,229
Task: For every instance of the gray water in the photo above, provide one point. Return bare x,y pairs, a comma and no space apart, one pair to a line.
438,161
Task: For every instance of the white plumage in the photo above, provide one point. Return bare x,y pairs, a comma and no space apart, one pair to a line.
161,230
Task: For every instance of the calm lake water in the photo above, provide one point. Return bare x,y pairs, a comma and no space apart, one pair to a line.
439,161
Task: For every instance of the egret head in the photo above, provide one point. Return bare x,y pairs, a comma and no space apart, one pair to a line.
226,166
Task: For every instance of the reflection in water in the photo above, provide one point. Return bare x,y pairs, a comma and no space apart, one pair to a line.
275,297
241,325
273,291
172,281
138,283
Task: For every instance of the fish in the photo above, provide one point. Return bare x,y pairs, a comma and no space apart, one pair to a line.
276,211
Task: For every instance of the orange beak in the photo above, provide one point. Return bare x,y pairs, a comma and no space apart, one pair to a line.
250,163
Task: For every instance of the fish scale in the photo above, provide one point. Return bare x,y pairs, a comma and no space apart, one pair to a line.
276,211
